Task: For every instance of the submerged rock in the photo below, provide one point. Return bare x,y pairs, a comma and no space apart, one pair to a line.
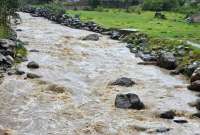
167,60
180,121
93,37
162,130
32,76
128,101
127,82
33,65
34,50
168,115
56,88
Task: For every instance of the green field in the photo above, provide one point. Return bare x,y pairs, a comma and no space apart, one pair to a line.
174,27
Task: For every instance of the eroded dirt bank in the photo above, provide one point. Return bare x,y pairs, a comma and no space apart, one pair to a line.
83,102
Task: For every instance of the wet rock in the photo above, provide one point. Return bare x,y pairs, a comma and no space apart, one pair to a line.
180,121
195,86
127,82
32,76
33,65
128,101
11,72
196,115
19,30
19,72
167,60
93,37
196,75
147,63
168,115
175,72
6,43
115,35
191,68
10,60
34,50
147,56
162,130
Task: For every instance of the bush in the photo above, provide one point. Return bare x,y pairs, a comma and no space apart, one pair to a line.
159,5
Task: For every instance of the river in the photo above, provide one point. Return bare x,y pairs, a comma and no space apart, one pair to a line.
83,70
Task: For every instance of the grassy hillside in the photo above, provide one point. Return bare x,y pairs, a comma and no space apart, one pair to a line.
174,27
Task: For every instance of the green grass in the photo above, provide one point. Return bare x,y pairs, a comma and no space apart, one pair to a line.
174,27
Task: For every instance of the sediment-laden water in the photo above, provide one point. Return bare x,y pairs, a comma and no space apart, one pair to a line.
73,96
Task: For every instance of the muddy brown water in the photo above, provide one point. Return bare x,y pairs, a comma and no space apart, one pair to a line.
73,96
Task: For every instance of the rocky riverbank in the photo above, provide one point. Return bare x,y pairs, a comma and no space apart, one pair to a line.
12,51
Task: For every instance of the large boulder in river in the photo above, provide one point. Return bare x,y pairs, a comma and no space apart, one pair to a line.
195,86
93,37
129,101
167,60
196,75
124,81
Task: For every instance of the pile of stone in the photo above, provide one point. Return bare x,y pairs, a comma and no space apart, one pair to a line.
7,54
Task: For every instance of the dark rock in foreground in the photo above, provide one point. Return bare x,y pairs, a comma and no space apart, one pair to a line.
128,101
167,60
168,115
93,37
127,82
33,65
195,86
